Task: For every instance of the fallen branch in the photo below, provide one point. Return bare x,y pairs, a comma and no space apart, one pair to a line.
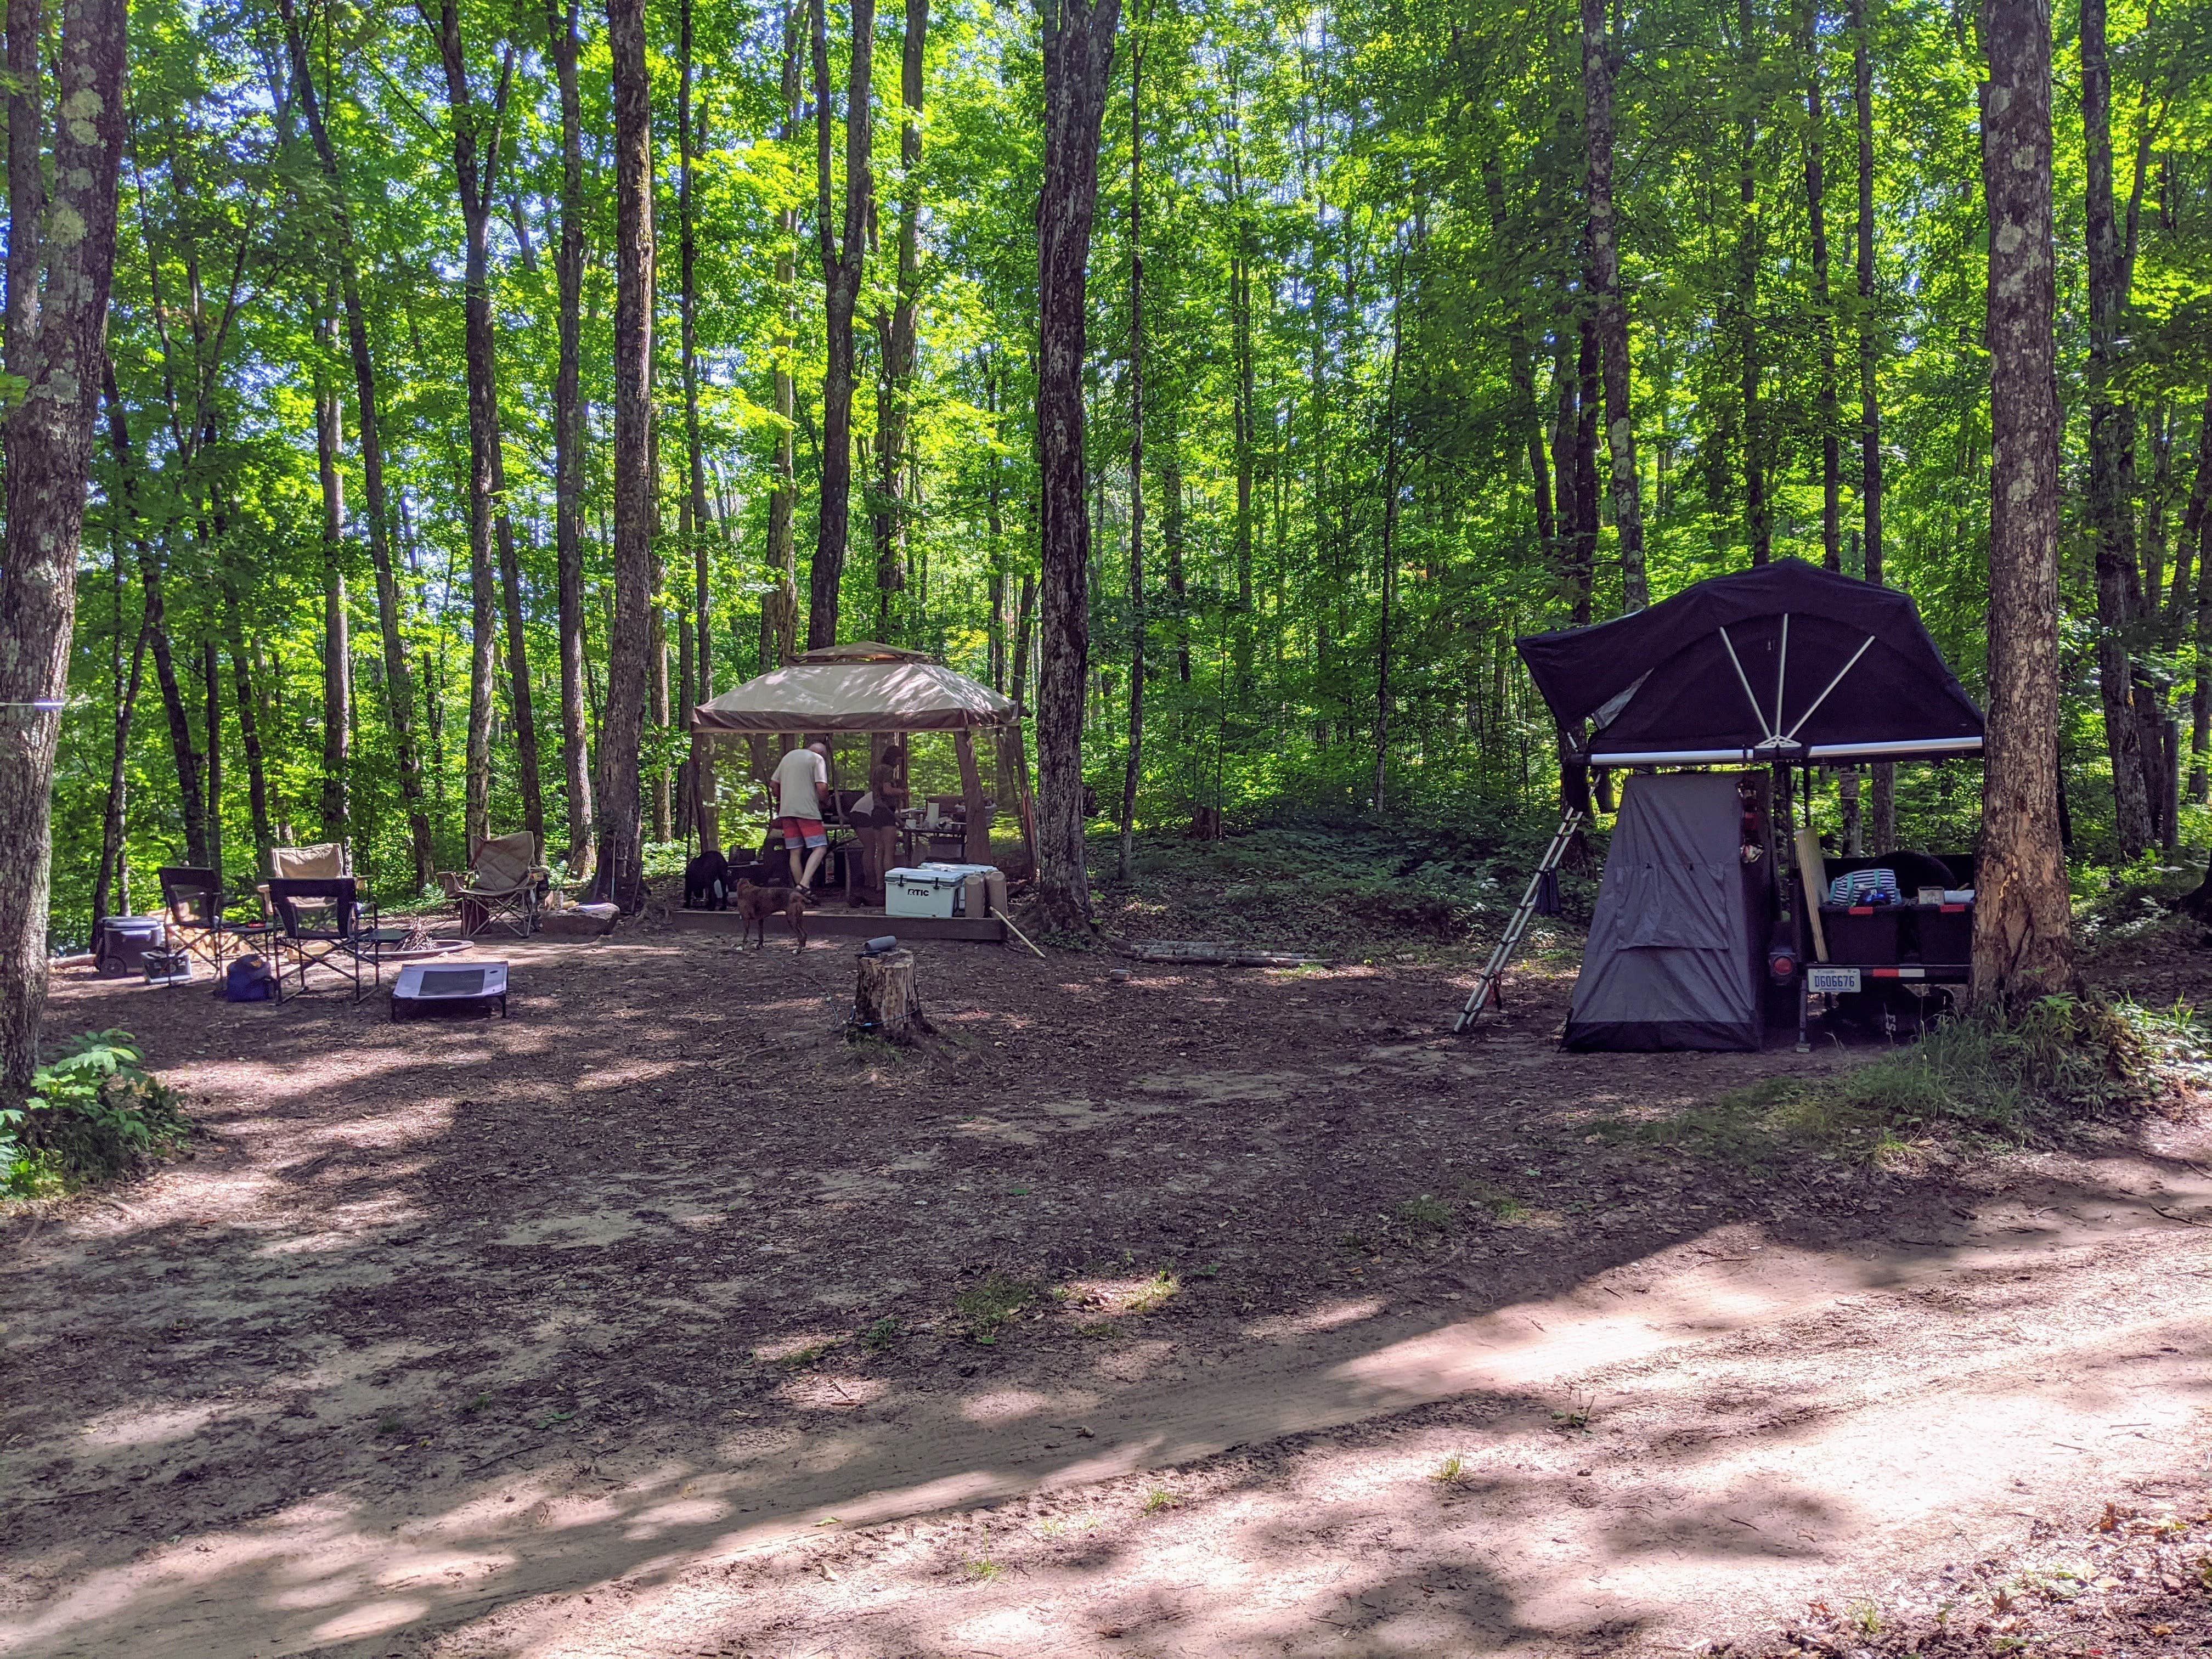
1218,953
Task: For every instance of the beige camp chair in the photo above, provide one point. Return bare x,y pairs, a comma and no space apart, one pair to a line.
326,860
504,885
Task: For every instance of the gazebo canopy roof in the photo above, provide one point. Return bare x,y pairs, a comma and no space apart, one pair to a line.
858,687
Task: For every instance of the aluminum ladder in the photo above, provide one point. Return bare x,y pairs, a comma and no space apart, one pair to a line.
1485,988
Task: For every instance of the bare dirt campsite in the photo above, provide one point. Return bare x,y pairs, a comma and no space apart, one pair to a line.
1203,1310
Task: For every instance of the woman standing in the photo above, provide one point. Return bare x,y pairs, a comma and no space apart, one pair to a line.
876,813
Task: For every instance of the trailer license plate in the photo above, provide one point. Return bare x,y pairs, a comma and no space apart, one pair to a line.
1831,979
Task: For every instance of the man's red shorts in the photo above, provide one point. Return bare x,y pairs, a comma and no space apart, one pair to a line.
806,831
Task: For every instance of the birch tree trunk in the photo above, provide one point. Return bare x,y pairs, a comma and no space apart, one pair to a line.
1759,522
57,315
2023,926
1870,344
1824,322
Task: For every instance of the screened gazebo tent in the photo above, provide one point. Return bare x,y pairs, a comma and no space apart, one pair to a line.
863,686
1785,664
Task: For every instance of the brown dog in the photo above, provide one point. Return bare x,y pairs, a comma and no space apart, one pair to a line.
756,903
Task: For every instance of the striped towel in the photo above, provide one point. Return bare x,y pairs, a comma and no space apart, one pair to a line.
1865,887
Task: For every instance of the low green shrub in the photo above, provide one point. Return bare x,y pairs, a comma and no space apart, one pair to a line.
93,1113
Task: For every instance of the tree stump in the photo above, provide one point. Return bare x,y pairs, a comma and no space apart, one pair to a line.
885,1003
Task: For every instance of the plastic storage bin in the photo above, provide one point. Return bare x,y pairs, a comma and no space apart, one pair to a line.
1861,936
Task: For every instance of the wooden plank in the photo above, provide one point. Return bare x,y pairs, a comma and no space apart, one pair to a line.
856,924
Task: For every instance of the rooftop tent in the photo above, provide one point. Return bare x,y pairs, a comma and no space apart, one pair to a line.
860,687
1673,958
1785,661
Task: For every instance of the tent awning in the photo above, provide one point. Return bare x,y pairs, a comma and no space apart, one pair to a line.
1785,661
836,691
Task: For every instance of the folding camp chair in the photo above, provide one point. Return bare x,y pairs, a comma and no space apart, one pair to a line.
505,886
323,861
320,921
194,899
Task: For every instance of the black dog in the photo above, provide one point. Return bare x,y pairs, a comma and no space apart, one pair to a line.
706,883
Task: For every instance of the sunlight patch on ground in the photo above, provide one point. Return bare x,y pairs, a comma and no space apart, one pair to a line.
146,1426
1329,1316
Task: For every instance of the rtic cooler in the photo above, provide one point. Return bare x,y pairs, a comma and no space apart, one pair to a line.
119,944
922,892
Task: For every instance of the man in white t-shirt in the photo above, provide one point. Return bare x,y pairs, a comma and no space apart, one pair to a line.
800,776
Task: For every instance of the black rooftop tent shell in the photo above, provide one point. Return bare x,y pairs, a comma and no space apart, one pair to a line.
1782,662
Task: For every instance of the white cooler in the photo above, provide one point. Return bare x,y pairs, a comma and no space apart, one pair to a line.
922,892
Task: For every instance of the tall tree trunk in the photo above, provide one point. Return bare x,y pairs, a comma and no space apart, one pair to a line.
1869,343
475,180
1133,769
779,633
56,309
2197,541
2111,435
211,688
1078,61
192,803
249,740
337,623
399,681
1173,526
2023,942
1823,322
1391,449
1758,524
842,265
1611,311
1240,317
561,24
1522,370
895,335
696,635
112,820
627,667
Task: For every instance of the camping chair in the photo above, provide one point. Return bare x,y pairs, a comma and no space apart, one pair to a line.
504,886
323,862
194,899
320,921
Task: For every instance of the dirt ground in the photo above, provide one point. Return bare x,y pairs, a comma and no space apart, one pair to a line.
1209,1311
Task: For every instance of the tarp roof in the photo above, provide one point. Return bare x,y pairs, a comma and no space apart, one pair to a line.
1783,661
861,687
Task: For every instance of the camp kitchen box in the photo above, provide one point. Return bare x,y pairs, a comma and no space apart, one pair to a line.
984,891
923,893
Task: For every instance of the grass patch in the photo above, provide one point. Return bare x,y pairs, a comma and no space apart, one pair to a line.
990,1304
93,1113
1501,1205
1155,1294
1158,1499
982,1569
1432,1213
1450,1471
880,1335
2013,1077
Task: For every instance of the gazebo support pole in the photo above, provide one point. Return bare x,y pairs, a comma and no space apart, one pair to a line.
971,792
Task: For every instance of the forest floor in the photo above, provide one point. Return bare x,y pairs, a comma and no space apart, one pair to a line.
1210,1311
